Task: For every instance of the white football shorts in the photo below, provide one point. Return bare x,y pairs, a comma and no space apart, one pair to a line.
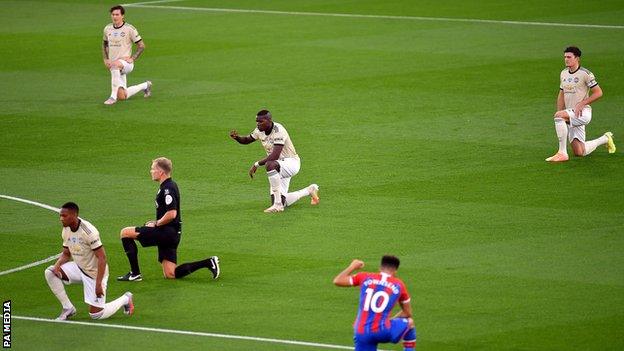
577,124
289,167
76,276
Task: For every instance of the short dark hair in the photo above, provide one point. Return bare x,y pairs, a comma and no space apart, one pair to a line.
390,261
71,206
264,113
118,7
574,50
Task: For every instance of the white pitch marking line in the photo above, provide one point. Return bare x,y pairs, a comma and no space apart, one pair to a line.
17,269
150,2
349,15
185,332
33,264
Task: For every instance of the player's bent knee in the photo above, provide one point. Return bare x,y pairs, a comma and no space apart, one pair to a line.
128,232
272,165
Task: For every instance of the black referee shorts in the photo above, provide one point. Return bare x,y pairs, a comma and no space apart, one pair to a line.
166,238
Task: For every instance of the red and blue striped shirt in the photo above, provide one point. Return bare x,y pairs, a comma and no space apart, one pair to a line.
379,293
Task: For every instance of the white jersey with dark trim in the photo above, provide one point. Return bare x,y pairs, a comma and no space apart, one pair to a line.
278,136
81,244
576,85
120,40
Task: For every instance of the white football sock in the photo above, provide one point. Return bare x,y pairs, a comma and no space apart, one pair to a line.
115,82
562,134
291,198
135,89
275,181
110,308
56,285
591,145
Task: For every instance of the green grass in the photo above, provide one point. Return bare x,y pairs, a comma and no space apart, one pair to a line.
427,138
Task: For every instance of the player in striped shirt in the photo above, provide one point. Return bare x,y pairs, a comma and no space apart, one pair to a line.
379,293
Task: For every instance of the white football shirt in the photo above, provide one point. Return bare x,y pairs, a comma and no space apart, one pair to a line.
278,136
81,244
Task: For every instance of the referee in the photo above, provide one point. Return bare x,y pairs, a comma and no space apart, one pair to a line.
164,232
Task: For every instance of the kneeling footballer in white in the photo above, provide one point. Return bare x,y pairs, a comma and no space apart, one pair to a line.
81,242
282,162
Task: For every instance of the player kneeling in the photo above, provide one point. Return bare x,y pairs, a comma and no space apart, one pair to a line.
379,292
81,241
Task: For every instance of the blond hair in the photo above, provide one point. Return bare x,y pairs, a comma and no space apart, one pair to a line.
164,164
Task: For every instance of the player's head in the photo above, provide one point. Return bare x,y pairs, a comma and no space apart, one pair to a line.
161,168
69,214
389,263
117,13
571,56
264,120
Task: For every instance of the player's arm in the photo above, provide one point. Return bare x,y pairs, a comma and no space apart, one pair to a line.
64,258
105,53
596,93
344,277
100,255
560,101
274,155
140,48
247,139
166,218
406,310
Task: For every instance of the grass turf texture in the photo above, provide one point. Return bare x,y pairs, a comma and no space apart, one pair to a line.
427,139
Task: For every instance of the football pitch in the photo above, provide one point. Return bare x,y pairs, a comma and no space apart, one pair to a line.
426,130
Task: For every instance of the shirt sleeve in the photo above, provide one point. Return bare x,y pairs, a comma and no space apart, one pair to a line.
94,240
560,81
280,137
134,35
404,297
170,200
591,80
357,279
255,134
104,37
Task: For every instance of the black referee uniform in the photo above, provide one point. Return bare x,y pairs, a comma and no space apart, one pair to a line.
166,237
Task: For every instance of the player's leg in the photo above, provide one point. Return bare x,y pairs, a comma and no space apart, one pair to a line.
606,138
403,329
273,173
128,236
115,71
363,342
145,87
311,190
69,274
561,129
98,308
212,263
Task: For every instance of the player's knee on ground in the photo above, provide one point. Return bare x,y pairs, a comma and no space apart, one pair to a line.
96,315
578,148
121,94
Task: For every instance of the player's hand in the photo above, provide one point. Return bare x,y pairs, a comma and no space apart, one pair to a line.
357,264
128,59
578,109
234,134
150,224
253,170
107,63
57,271
99,292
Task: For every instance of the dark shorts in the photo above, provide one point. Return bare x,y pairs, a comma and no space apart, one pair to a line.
166,238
